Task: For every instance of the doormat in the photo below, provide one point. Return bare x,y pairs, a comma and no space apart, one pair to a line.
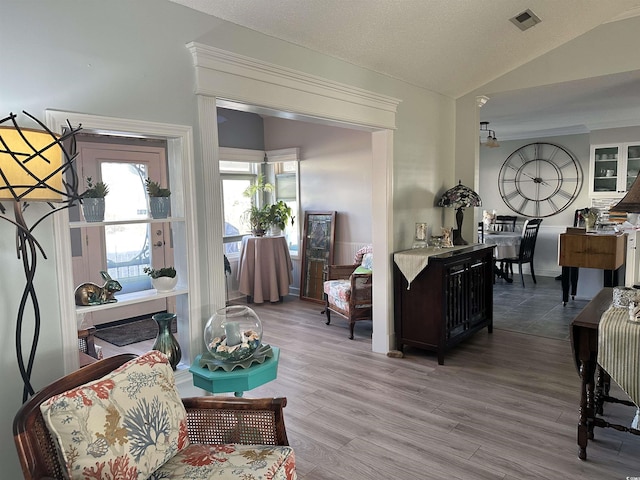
132,332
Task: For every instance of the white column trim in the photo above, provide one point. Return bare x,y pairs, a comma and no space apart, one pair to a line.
228,75
236,78
208,126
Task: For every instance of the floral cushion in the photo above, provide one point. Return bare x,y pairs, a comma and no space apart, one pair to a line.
228,461
338,292
122,426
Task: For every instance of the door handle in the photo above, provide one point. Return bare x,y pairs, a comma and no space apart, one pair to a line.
159,243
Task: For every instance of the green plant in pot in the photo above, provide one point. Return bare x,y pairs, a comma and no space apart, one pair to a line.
259,218
93,203
159,202
163,279
280,214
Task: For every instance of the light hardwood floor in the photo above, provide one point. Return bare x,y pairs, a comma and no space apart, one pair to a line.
504,406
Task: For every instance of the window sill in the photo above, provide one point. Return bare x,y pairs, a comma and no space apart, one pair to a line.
133,298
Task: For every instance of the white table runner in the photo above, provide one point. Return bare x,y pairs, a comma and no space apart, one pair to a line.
412,262
619,350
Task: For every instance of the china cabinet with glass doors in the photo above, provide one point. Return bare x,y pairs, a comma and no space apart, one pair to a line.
613,168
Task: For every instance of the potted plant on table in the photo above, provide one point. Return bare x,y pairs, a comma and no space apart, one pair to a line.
159,201
279,215
93,200
163,279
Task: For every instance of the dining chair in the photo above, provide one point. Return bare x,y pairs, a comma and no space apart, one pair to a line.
480,232
505,223
527,248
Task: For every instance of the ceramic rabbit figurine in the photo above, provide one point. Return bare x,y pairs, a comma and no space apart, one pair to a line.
91,294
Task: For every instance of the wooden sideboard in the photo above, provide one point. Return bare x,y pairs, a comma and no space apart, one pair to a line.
583,250
449,300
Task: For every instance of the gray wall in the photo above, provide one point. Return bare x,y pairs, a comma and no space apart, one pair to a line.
240,129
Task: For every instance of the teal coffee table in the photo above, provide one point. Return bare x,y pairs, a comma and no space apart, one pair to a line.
238,380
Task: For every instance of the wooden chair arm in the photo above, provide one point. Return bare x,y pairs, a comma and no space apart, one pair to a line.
215,420
339,272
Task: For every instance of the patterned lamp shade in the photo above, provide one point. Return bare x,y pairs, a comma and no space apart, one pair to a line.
460,196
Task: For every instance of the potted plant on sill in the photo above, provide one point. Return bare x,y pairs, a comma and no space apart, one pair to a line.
93,200
159,202
259,218
163,279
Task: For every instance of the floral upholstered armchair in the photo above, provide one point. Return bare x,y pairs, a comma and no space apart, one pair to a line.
122,417
348,289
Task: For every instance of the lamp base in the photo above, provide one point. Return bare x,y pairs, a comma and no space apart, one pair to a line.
457,238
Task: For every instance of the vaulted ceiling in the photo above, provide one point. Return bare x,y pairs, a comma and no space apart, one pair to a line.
451,47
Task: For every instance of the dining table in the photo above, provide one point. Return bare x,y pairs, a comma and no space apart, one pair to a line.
506,245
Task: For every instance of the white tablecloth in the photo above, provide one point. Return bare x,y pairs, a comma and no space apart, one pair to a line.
507,244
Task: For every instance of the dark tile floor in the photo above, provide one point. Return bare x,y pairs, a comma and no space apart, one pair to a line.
535,309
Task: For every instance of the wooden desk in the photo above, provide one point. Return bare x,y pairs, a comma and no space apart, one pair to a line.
605,252
265,270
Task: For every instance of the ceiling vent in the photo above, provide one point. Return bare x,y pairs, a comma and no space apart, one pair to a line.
525,20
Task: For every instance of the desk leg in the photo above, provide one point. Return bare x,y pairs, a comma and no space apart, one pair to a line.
569,278
611,278
586,407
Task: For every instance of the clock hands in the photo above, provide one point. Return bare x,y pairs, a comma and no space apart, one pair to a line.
535,179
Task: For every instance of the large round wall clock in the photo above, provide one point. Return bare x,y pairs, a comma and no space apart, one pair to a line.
540,180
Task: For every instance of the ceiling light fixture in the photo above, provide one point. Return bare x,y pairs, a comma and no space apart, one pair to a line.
492,140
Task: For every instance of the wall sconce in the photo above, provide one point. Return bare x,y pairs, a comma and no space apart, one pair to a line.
492,141
34,167
459,197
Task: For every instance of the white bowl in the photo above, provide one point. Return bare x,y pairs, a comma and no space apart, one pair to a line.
164,284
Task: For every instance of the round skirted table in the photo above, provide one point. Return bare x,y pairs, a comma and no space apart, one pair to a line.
265,271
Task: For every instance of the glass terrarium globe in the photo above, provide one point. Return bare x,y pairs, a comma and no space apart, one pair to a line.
233,334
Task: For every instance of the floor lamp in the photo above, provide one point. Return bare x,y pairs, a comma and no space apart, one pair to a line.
459,197
34,167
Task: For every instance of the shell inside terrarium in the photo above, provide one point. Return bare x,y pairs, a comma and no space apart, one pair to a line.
233,334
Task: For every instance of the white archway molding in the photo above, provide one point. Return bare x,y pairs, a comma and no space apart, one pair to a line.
227,76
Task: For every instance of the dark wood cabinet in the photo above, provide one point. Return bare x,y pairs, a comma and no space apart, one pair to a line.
449,300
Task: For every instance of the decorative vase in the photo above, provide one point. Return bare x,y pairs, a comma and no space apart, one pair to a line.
159,206
164,284
233,334
165,341
93,209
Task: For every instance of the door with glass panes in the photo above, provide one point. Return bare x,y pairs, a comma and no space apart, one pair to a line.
127,241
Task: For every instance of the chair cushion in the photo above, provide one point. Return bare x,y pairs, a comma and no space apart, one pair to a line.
124,425
338,292
367,261
218,462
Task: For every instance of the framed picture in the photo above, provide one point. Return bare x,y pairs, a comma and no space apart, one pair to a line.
317,252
